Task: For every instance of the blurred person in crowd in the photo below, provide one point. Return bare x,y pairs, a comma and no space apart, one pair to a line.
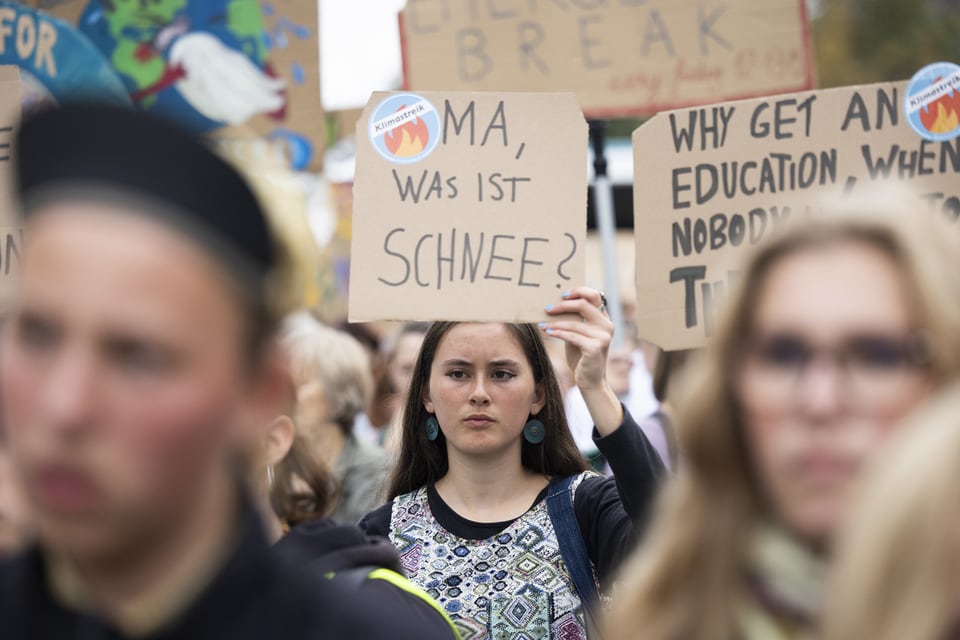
13,526
138,366
370,340
491,508
367,337
659,427
332,374
838,328
897,571
629,378
390,387
402,357
297,491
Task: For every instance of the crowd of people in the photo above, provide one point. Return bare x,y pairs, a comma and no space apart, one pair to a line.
183,456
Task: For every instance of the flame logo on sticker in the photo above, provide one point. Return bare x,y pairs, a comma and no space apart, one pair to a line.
943,114
409,139
932,102
404,128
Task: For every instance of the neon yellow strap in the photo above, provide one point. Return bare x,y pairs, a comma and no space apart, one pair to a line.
402,583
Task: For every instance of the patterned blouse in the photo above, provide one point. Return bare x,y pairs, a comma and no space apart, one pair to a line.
507,579
512,585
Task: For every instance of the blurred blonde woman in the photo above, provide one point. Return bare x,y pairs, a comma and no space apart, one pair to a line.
898,561
839,327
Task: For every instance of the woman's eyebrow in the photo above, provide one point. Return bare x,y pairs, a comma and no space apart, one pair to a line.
457,362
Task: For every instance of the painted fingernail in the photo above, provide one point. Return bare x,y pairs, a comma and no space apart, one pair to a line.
565,294
548,307
543,325
551,331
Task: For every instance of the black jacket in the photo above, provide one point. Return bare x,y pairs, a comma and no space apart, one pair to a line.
254,596
322,547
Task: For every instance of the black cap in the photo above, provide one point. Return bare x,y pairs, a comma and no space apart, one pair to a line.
75,150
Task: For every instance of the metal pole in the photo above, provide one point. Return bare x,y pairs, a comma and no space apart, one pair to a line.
606,223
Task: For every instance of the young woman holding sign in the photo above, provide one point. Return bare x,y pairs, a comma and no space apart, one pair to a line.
837,330
492,510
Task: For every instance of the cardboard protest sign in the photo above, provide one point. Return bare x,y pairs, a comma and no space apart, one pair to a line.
621,58
711,182
69,10
291,29
55,59
467,206
10,232
237,68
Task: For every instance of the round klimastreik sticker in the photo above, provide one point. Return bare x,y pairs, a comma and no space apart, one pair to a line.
405,128
932,101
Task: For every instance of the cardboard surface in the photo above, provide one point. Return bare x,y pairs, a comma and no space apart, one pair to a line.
467,206
292,36
68,10
711,182
621,58
10,232
295,57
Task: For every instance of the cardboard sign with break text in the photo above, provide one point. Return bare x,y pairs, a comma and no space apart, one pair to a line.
621,58
467,206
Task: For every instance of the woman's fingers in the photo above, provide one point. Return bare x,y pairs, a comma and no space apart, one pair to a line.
586,357
577,339
596,327
586,308
587,343
585,329
585,293
587,340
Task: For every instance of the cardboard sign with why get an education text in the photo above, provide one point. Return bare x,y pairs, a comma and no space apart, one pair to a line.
467,206
711,182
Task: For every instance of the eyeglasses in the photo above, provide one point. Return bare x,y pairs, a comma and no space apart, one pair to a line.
873,367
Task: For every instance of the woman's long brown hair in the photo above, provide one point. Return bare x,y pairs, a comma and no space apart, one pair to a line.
423,462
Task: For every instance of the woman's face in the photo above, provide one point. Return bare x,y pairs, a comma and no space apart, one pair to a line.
123,384
832,365
482,389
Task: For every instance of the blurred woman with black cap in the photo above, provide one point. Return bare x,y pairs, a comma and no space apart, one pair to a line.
138,368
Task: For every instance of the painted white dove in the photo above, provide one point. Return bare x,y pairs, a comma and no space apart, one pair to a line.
221,83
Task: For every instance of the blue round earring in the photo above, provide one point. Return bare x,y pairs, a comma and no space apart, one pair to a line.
534,432
433,428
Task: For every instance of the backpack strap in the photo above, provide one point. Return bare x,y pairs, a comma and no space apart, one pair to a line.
354,578
573,549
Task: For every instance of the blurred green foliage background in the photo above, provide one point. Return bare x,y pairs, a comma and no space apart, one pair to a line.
857,41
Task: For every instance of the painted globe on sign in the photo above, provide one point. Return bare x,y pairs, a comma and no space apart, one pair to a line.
203,63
